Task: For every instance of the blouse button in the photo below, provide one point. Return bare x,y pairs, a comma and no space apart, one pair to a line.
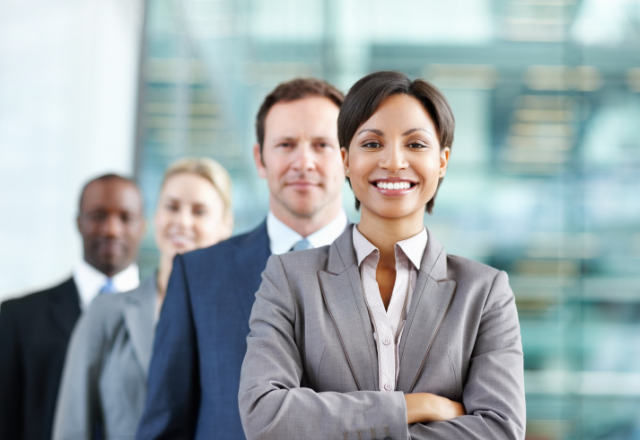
387,386
386,341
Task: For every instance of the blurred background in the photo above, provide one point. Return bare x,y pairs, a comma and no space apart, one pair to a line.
544,180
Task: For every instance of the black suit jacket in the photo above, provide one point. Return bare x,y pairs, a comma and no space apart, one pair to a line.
34,332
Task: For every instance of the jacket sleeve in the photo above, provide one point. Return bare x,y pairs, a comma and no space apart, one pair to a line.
11,380
273,405
78,407
493,394
173,395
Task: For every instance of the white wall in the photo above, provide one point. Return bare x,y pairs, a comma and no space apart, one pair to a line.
68,79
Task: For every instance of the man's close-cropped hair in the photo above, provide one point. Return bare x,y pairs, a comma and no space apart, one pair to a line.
103,178
291,91
367,95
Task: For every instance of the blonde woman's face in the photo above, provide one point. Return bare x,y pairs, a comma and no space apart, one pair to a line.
190,215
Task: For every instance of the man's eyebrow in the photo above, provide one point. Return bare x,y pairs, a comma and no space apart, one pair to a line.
372,130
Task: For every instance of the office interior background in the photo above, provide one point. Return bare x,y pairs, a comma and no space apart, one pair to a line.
544,180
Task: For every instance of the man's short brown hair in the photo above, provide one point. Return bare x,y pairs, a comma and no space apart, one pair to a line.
368,94
291,91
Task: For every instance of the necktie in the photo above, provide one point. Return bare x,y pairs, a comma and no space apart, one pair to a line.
108,288
302,245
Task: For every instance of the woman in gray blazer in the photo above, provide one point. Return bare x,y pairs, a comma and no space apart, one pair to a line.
383,335
103,389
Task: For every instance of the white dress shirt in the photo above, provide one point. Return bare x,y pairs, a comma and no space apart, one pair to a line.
282,237
388,324
90,280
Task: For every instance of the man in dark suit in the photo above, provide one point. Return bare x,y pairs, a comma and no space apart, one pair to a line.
35,329
201,336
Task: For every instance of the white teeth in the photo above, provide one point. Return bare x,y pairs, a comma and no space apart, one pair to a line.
393,186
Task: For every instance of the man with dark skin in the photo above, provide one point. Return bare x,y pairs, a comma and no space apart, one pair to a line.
35,329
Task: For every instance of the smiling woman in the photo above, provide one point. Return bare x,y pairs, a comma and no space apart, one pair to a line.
383,334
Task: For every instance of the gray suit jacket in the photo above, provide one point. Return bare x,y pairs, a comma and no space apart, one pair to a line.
104,380
311,368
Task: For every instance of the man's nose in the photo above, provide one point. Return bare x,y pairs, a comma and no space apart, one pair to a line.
394,159
113,226
305,159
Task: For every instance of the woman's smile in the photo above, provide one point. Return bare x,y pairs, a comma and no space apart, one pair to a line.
394,186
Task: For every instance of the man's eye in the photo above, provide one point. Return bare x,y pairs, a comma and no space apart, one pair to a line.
200,212
97,216
172,208
285,144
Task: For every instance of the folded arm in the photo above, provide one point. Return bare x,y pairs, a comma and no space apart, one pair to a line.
494,389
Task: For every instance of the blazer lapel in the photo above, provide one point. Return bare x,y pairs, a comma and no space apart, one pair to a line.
431,300
342,290
65,308
139,313
249,262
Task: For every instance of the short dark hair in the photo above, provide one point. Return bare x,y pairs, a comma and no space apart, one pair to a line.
367,95
291,91
102,178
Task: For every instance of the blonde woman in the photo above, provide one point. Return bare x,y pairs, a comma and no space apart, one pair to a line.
103,388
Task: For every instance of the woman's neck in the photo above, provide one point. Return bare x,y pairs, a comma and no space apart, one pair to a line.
384,233
164,272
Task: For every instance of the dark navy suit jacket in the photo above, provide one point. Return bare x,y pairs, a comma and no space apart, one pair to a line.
200,341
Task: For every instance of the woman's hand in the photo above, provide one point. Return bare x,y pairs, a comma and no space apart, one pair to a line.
427,407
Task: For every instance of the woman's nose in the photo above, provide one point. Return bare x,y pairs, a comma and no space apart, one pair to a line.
394,159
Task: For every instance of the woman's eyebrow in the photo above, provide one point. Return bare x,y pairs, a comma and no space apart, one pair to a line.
412,130
372,130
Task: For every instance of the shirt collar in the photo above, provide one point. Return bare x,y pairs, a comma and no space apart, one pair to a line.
282,237
413,247
90,280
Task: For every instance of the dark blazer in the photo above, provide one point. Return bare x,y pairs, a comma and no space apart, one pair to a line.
34,333
200,341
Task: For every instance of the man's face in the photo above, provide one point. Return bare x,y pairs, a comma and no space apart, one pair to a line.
111,224
301,159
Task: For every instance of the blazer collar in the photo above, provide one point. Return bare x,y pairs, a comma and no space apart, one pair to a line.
432,297
248,261
341,287
65,306
139,316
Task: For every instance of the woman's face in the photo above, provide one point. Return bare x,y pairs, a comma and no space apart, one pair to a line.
394,159
190,215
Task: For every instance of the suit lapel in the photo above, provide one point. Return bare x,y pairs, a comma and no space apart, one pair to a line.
342,290
65,306
139,311
248,264
431,299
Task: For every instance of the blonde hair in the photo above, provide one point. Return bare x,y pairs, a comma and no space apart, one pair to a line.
207,168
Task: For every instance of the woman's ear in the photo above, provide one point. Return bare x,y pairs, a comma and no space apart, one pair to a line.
444,161
345,160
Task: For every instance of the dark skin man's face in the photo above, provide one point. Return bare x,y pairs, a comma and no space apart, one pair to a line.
111,224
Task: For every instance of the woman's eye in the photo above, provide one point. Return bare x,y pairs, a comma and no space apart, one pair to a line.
372,145
417,145
172,208
200,212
